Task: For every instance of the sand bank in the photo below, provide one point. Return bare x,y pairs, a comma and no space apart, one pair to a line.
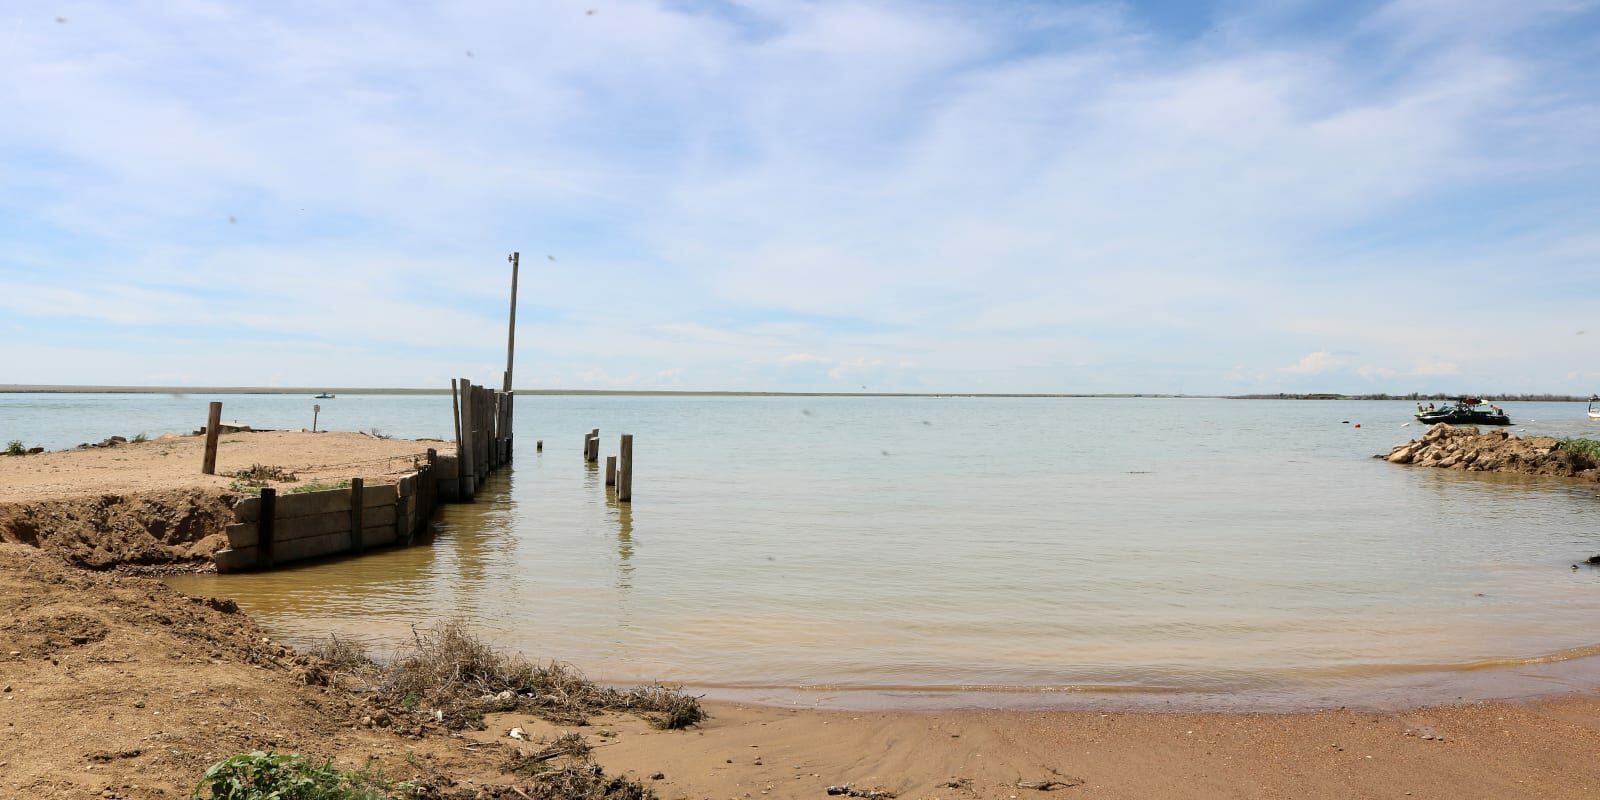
148,503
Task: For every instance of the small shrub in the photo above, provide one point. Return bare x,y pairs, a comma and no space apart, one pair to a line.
15,447
259,475
139,438
282,776
1588,448
342,654
243,487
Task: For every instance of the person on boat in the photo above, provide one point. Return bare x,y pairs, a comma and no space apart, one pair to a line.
1420,409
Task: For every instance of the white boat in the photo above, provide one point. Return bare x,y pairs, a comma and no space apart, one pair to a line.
1594,407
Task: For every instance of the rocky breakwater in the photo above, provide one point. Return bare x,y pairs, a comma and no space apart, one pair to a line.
1464,448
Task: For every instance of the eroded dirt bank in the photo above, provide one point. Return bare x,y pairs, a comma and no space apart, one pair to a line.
103,531
1464,448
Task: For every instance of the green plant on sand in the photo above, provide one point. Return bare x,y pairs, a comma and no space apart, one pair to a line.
139,438
15,447
1588,448
244,487
282,776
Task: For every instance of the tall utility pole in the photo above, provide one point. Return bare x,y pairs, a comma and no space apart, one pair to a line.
511,335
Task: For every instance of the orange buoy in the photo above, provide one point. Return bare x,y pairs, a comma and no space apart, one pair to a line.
1358,424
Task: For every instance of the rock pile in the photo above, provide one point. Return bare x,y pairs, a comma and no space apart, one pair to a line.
1450,447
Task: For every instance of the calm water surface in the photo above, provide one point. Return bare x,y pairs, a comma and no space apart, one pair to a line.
955,550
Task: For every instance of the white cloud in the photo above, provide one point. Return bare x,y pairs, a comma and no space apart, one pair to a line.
1314,364
1433,366
916,195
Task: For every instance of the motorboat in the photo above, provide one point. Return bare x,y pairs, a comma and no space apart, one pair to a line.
324,396
1594,407
1466,411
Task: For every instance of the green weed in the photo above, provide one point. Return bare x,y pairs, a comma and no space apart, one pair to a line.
283,776
15,447
1588,448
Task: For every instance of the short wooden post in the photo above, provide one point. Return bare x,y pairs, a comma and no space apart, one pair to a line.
611,470
316,411
538,446
213,428
625,469
594,445
264,526
357,525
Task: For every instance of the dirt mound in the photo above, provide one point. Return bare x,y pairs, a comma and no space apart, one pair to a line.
1464,448
102,531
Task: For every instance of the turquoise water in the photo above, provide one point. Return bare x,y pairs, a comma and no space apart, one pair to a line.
901,549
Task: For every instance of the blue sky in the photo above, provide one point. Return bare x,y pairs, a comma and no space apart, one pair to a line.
770,195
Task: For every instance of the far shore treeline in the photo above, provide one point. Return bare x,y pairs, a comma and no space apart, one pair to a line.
15,388
1495,398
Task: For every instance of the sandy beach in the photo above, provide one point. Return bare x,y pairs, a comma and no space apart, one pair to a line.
119,687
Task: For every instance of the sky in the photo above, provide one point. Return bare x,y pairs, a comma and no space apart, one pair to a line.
1165,196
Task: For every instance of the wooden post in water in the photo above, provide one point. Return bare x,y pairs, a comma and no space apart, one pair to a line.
357,525
538,447
611,470
430,489
467,471
625,469
455,410
592,453
265,525
213,427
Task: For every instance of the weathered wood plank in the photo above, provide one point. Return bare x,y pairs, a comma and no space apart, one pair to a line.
234,560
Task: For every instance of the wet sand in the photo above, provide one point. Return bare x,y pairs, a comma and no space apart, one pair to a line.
1549,749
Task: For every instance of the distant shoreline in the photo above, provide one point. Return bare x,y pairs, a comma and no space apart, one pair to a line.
335,390
24,388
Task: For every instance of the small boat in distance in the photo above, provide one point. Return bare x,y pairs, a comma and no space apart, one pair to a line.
1594,407
1467,411
324,396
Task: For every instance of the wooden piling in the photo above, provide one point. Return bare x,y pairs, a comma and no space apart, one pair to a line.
213,427
625,469
538,447
357,486
265,525
611,470
466,457
455,410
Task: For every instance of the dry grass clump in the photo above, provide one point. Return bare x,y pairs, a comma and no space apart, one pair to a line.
452,670
262,474
585,781
344,655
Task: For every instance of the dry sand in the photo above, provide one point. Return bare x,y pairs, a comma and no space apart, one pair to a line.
174,463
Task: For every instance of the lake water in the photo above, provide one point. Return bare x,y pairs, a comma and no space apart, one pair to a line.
948,551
